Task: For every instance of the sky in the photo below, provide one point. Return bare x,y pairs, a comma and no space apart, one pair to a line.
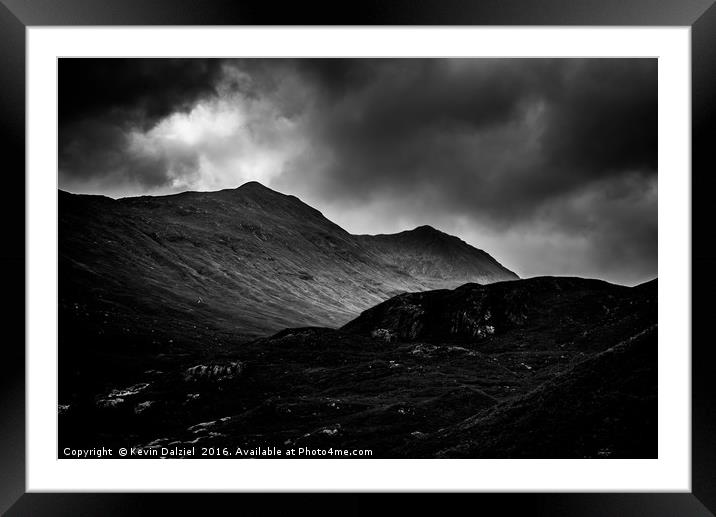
549,165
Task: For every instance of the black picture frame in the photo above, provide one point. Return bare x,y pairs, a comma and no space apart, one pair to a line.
17,15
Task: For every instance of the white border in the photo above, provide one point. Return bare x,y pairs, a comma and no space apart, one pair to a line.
671,472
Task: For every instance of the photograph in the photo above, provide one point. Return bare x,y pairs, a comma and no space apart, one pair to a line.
357,258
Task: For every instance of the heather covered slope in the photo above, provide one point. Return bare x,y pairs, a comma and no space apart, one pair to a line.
569,370
539,311
606,406
248,260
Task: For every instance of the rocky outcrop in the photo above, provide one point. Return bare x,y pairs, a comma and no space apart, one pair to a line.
216,373
118,396
474,312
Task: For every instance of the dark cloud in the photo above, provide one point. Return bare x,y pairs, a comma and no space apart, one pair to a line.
102,101
606,120
553,162
524,130
137,91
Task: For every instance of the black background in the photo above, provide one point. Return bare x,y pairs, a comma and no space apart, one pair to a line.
15,15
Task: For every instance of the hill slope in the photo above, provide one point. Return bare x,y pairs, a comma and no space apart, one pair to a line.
249,260
569,371
606,406
542,310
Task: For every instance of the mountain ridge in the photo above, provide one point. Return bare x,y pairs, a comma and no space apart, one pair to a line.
256,187
250,259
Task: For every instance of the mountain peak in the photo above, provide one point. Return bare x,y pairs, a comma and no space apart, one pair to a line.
256,191
438,258
425,229
429,233
253,185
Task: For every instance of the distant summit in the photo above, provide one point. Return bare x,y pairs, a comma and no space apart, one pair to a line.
253,185
432,255
256,188
424,229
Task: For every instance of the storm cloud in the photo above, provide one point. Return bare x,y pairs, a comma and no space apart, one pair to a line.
550,165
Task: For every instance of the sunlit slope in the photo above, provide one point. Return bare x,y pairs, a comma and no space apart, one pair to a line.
250,260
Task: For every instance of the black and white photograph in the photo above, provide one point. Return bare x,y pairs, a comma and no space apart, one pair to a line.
357,258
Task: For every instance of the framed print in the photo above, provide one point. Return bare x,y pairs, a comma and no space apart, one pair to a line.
438,249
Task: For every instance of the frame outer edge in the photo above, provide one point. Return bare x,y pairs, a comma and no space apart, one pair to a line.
366,12
703,112
12,258
12,134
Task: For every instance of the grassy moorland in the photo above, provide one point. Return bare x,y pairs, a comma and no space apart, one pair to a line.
244,318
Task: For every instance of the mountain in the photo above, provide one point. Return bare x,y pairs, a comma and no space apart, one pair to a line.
245,317
543,367
437,258
248,260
